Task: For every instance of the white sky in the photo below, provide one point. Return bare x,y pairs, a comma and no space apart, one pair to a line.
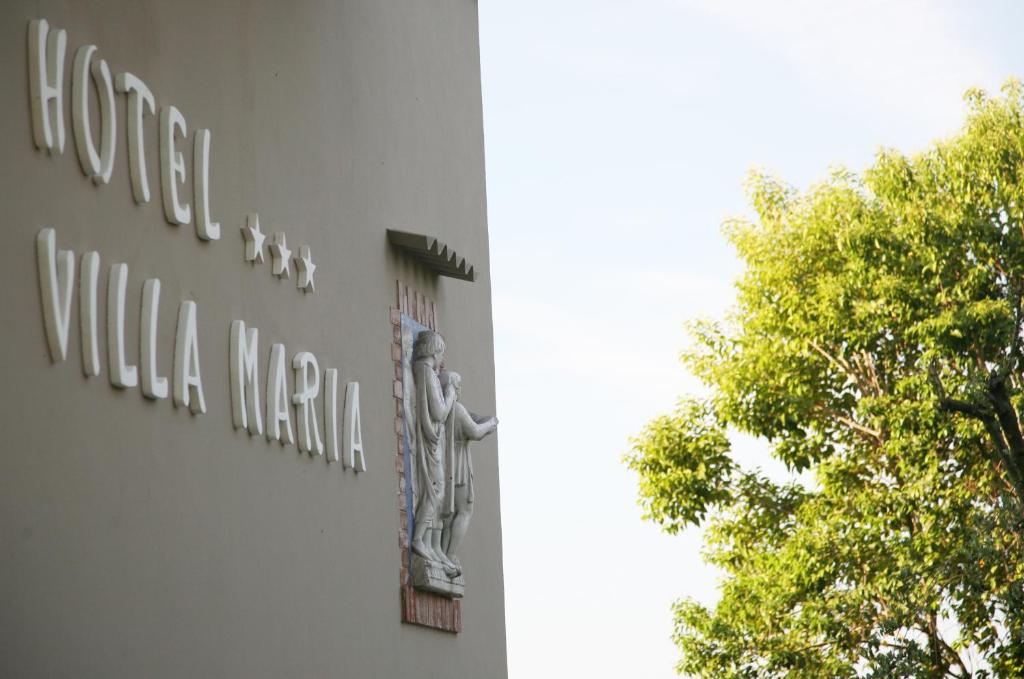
618,136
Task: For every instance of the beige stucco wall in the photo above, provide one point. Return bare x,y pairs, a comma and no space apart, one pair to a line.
139,540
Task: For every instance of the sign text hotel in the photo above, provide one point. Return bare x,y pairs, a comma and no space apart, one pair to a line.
57,275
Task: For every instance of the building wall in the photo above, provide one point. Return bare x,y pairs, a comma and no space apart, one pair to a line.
141,540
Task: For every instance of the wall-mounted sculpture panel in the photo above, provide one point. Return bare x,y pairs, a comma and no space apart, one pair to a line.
438,460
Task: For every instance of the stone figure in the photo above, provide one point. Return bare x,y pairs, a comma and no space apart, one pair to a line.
439,432
432,440
458,500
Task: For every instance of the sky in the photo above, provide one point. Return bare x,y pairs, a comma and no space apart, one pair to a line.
618,137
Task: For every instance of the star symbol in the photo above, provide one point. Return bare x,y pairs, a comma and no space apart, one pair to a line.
280,256
305,267
253,238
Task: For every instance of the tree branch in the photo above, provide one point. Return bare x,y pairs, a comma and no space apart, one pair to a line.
991,424
1006,415
866,362
845,366
954,656
931,629
873,434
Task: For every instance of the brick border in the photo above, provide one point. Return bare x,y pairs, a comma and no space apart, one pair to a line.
418,607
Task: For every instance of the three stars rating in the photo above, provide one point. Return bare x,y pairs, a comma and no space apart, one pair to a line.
280,254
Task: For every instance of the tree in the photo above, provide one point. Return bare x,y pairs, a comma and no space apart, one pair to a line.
875,344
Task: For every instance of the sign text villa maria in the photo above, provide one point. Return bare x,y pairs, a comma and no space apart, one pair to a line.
260,411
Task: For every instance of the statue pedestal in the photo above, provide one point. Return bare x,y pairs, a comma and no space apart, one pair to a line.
430,576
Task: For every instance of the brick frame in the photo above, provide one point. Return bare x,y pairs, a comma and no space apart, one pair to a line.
418,607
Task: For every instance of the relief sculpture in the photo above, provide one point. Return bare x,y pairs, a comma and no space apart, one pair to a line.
439,429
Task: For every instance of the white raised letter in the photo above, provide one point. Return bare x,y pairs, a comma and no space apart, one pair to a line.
96,166
121,374
140,99
206,228
353,429
153,385
172,165
88,314
277,398
245,383
56,277
46,84
331,413
188,382
307,386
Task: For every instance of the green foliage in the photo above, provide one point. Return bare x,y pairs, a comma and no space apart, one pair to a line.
874,343
684,466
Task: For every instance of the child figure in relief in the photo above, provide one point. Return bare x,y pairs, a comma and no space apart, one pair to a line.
458,499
